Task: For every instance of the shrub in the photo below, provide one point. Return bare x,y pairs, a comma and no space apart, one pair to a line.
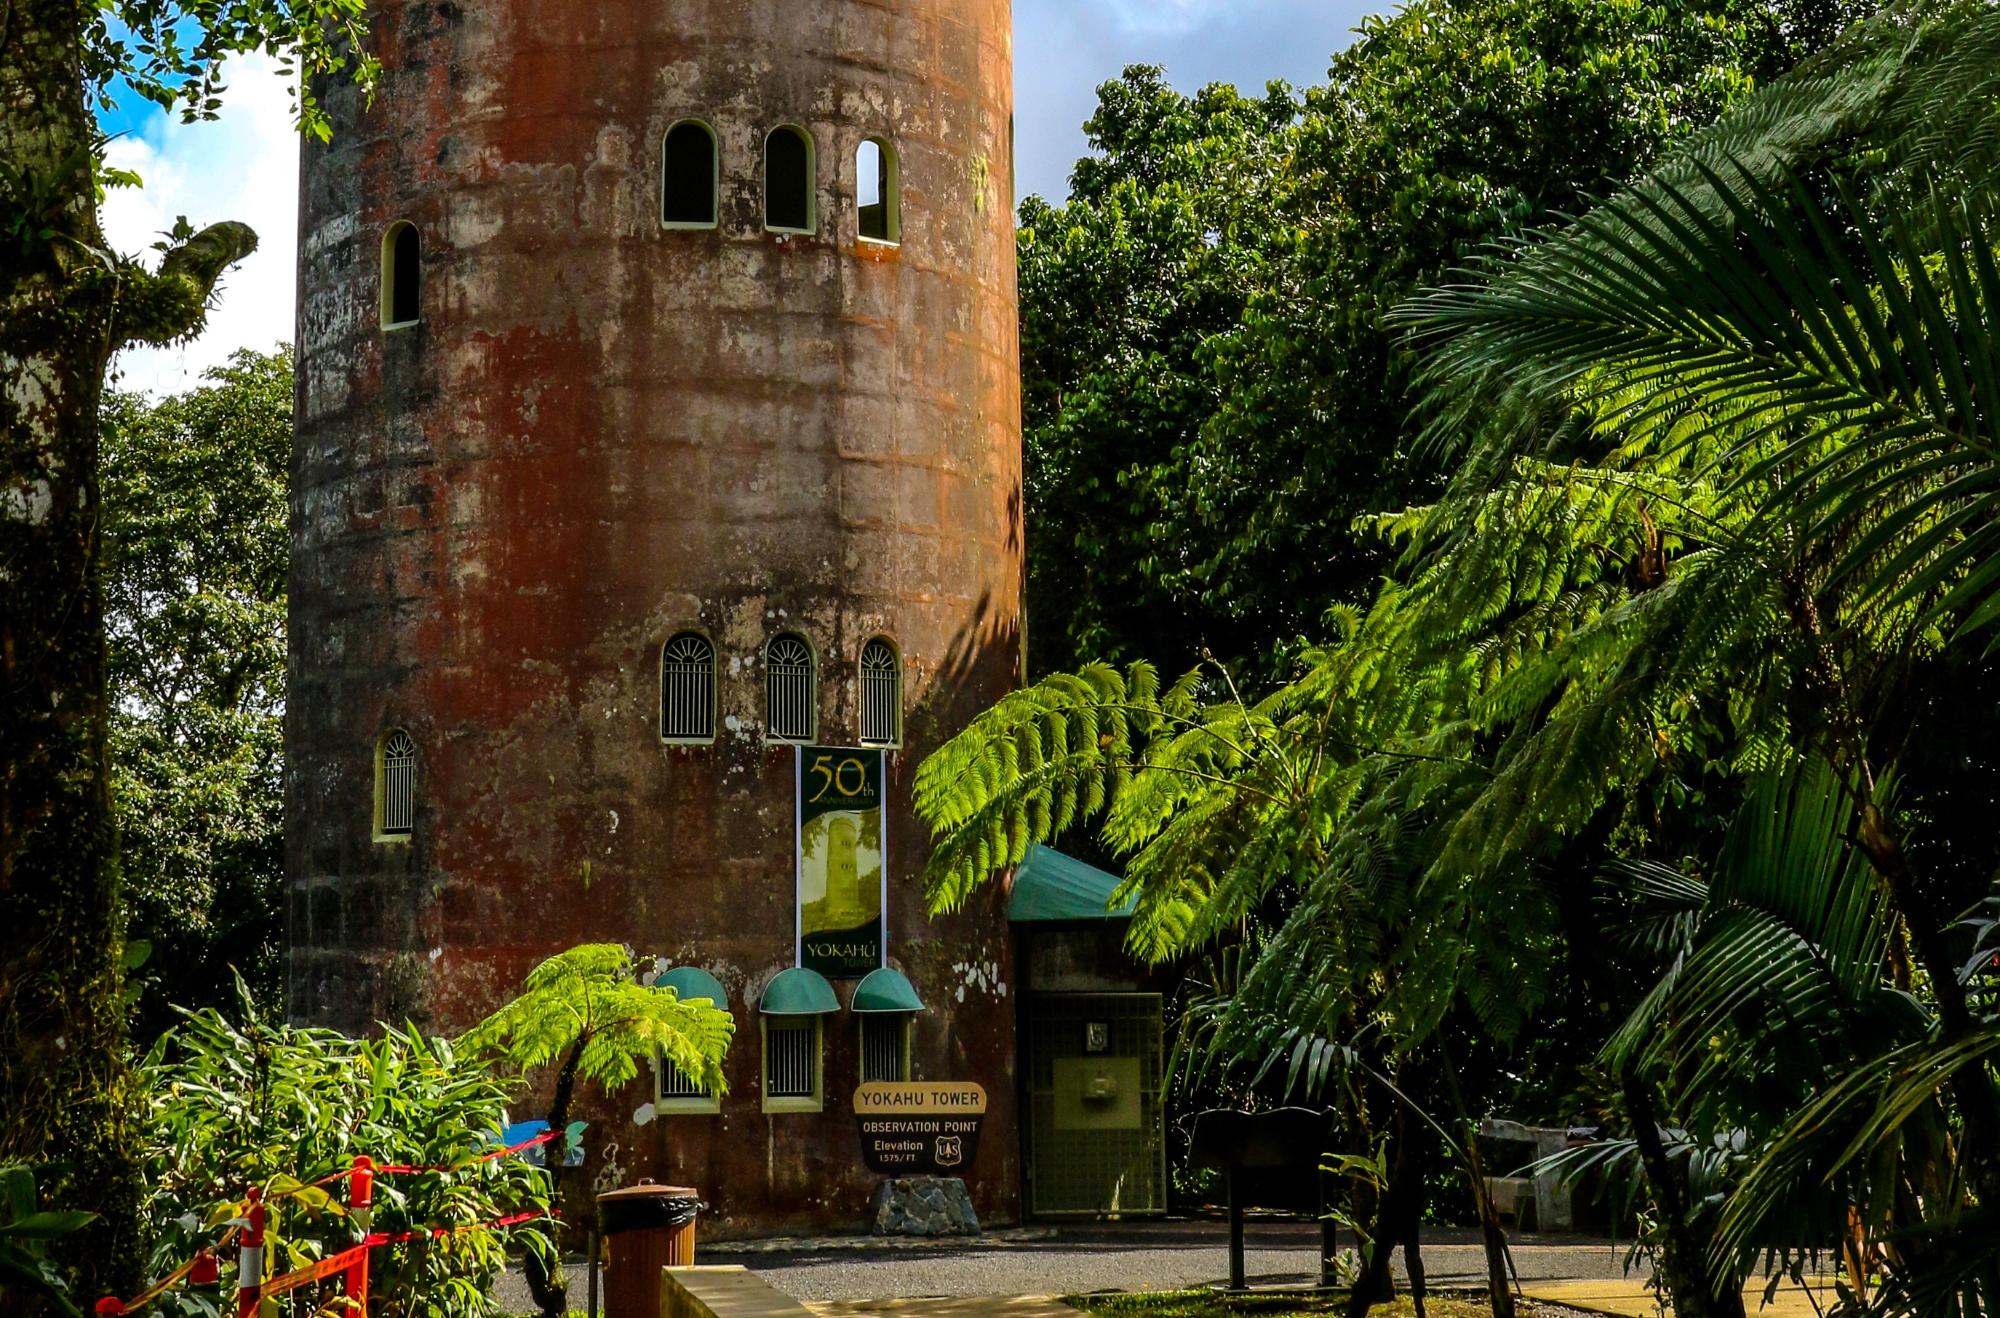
25,1232
287,1109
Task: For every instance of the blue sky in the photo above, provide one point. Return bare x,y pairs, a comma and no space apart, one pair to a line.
244,167
1064,48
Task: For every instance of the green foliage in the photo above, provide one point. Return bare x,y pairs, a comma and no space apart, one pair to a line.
1158,247
1788,944
1794,314
240,1103
1211,393
25,1230
1718,544
172,52
585,1007
1851,380
196,551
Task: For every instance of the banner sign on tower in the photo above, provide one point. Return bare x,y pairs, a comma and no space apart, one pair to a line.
842,860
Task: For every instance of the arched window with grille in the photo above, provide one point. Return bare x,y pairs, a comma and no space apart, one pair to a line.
687,690
881,694
395,786
789,178
402,276
877,184
689,176
791,710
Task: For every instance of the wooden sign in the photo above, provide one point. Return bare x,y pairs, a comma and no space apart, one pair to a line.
920,1128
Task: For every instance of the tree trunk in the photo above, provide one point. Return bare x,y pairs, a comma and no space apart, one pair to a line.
1499,1274
1400,1199
65,1090
1499,1279
1683,1254
549,1282
66,305
1416,1193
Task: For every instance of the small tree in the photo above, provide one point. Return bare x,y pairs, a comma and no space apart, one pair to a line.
587,1007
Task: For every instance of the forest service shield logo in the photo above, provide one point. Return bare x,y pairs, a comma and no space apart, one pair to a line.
949,1151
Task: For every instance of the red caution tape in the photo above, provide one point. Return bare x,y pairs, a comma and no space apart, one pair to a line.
195,1270
201,1270
409,1169
331,1266
347,1258
403,1237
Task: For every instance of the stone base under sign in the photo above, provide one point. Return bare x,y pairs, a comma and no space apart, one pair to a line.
924,1206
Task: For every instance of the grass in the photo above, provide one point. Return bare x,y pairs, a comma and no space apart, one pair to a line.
1207,1304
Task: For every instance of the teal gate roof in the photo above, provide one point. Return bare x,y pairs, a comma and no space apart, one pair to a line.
1050,886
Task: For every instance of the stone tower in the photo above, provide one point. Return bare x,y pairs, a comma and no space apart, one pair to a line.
571,393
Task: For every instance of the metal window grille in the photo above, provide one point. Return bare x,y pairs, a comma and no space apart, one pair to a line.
674,1084
788,689
791,1057
687,689
399,782
885,1054
881,694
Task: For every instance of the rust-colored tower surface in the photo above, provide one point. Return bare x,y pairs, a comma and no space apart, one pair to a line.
602,432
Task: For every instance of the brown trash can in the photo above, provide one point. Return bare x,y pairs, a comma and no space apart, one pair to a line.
647,1227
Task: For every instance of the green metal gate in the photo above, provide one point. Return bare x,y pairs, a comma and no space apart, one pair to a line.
1097,1124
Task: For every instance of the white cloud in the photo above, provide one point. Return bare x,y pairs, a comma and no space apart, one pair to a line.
243,166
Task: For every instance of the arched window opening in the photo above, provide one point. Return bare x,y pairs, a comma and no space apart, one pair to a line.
687,689
792,713
881,694
395,785
689,178
402,275
788,180
878,189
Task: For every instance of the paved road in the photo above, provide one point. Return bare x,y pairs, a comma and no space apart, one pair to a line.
1166,1256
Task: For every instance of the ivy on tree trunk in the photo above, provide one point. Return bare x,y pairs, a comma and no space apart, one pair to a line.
66,305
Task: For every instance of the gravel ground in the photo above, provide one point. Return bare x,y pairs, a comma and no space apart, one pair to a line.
1076,1260
1173,1256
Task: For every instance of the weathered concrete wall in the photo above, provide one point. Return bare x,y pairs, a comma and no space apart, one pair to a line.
604,432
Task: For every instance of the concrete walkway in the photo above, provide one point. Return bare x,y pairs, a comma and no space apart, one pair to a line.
859,1275
1159,1256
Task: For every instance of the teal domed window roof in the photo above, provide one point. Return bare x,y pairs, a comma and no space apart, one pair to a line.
886,990
798,992
692,982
